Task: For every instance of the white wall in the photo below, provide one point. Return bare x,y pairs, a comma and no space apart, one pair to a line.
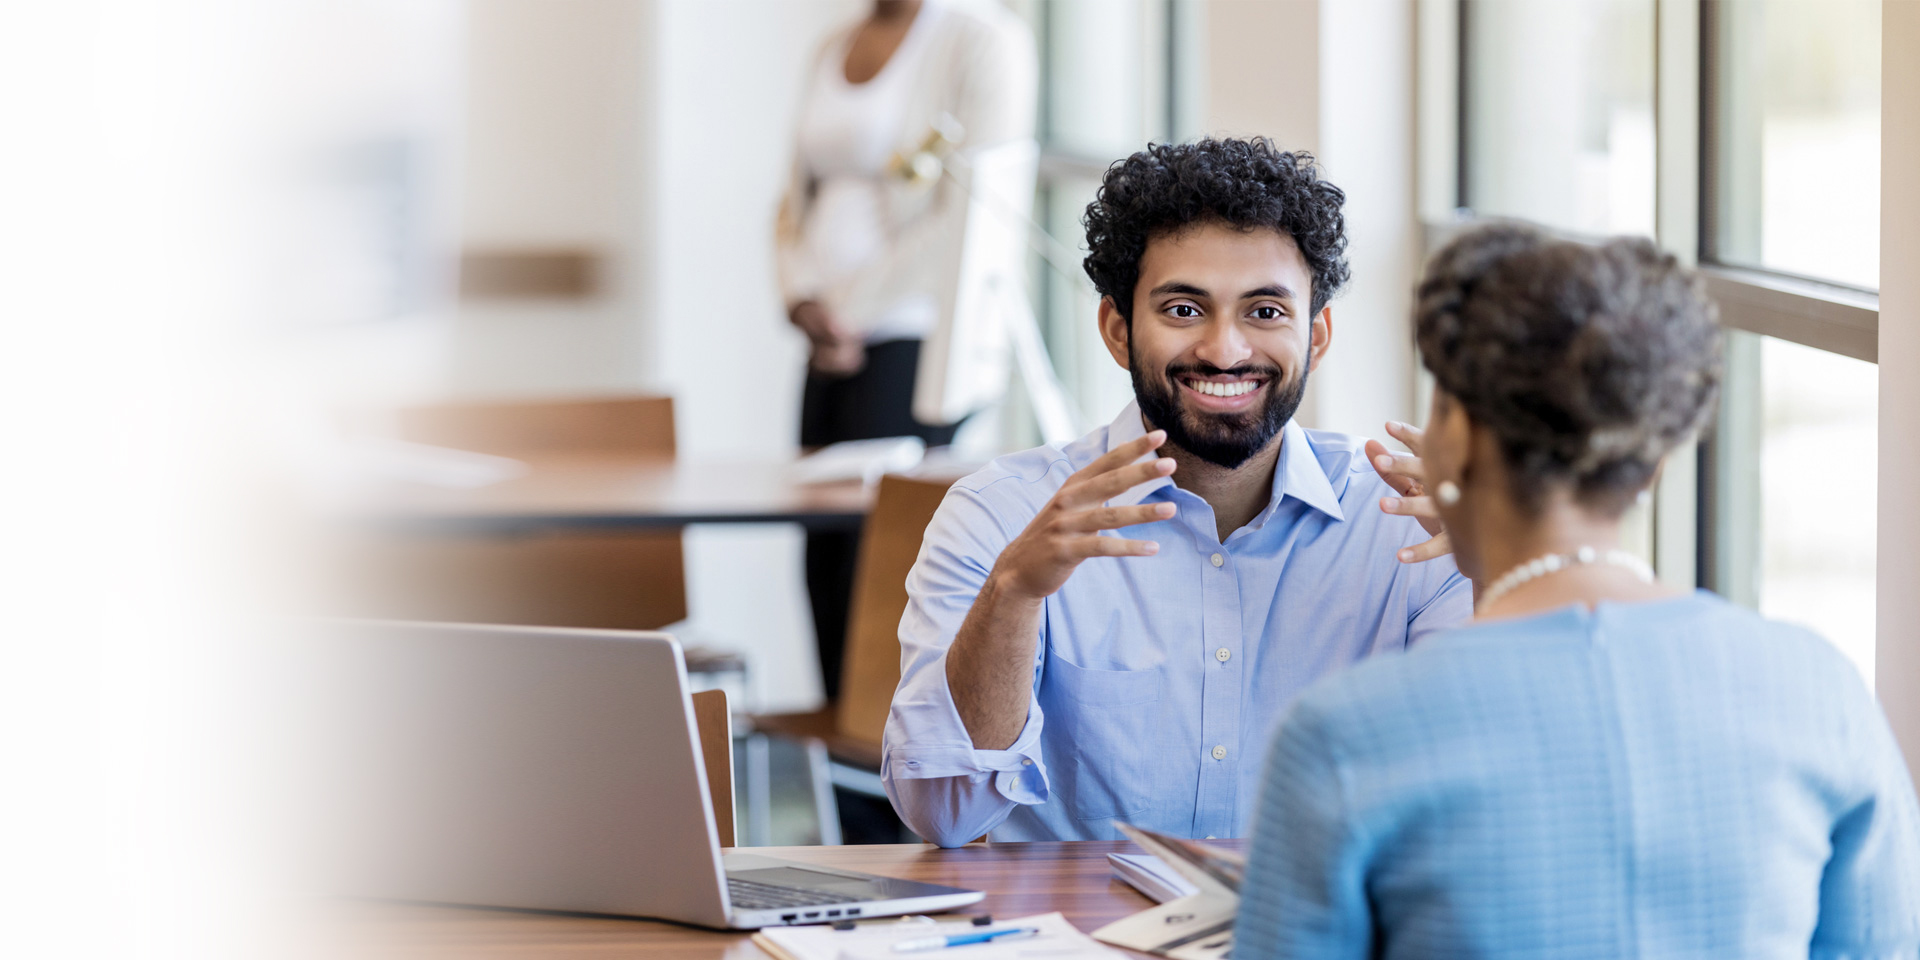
656,132
1262,71
1897,650
1340,83
729,76
560,102
1367,124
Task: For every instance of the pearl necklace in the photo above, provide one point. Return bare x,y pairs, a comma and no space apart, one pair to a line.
1555,562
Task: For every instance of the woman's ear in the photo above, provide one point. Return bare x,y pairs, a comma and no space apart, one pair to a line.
1116,331
1449,450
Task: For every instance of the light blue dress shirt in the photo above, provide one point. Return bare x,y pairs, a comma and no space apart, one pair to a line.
1157,680
1672,779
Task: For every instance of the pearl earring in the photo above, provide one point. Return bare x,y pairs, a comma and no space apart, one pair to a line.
1448,493
1643,498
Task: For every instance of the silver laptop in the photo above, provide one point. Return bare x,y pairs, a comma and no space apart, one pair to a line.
548,769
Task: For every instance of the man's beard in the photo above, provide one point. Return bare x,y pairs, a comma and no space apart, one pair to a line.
1227,439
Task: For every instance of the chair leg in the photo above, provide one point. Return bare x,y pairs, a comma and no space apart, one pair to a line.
759,789
820,766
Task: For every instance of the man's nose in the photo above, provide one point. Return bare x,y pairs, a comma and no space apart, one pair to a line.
1223,344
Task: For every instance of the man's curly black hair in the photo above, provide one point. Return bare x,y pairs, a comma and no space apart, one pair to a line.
1246,183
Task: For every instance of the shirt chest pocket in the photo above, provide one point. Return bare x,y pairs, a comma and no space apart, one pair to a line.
1106,721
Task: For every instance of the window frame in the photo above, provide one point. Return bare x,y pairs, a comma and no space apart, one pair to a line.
1688,545
1170,82
1775,303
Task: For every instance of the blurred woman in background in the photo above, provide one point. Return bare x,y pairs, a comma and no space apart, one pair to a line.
1596,765
860,230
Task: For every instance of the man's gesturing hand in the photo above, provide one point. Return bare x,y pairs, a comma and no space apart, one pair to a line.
1407,476
1067,530
990,665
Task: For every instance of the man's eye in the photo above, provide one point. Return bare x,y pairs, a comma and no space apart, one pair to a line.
1187,310
1267,313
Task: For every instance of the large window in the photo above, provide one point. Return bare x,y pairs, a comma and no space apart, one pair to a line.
1559,113
1744,135
1796,138
1792,182
1793,490
1110,82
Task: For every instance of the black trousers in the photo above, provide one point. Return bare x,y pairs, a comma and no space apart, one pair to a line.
876,402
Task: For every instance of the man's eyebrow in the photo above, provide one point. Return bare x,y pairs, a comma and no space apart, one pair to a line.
1275,290
1176,286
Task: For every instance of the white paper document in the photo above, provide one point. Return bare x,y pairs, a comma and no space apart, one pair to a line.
1151,875
1196,927
874,940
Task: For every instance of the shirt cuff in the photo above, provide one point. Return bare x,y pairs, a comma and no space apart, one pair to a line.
1019,772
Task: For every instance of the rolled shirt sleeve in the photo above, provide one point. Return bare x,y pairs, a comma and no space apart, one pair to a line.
1441,596
943,788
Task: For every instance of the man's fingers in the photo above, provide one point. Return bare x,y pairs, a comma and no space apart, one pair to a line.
1410,507
1096,546
1122,455
1389,464
1113,518
1439,546
1111,484
1414,437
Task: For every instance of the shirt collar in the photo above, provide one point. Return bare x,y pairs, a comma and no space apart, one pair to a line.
1299,473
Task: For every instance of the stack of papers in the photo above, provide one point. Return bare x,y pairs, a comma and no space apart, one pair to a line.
1197,926
875,939
1151,875
863,460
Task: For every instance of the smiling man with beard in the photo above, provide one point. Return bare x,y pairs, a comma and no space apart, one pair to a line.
1098,635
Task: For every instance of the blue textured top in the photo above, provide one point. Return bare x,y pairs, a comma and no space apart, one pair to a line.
1680,778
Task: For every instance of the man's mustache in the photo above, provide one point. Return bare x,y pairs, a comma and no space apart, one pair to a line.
1178,370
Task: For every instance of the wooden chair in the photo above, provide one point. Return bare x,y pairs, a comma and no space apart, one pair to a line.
843,739
715,721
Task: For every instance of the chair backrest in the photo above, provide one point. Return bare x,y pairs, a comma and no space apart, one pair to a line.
716,753
902,508
632,426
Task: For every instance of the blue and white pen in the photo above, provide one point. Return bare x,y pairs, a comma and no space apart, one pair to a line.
962,939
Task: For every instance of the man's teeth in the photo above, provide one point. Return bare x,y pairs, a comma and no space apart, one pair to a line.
1233,389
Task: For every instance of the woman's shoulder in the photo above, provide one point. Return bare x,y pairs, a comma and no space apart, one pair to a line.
1485,663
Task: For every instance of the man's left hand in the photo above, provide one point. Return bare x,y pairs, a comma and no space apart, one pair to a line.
1405,474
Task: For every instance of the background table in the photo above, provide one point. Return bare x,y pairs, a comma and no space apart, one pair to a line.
628,492
1020,879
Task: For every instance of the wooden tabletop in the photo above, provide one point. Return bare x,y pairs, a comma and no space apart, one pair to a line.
1020,879
616,491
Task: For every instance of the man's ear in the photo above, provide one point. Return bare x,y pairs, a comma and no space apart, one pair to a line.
1115,332
1320,336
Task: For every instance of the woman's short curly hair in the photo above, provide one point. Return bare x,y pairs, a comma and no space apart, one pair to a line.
1588,362
1245,183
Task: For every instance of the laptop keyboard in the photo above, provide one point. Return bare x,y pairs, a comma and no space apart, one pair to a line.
765,896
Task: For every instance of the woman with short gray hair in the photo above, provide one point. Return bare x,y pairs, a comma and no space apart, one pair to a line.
1597,764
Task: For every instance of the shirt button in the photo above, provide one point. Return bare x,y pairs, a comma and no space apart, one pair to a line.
1222,654
1218,560
1026,761
1219,753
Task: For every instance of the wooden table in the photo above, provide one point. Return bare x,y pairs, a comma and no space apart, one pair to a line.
1020,879
628,492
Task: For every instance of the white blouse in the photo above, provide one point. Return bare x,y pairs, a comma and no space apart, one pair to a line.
848,132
